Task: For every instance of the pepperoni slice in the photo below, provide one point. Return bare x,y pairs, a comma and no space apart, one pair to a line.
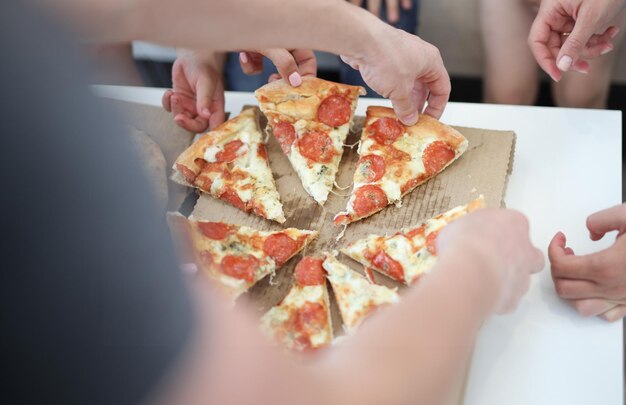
416,232
240,267
431,242
280,247
189,175
310,316
386,130
262,152
389,266
309,271
334,110
316,146
230,151
436,156
232,197
373,167
369,199
214,230
285,134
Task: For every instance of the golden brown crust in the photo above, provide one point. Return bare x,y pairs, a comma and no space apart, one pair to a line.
427,126
303,101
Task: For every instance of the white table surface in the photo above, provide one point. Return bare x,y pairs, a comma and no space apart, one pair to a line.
567,165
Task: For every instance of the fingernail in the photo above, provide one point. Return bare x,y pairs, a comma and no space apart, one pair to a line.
615,32
607,49
411,119
206,112
565,63
295,79
243,57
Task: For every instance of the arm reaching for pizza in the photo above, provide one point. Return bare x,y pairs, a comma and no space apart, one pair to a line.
484,267
393,63
196,100
566,33
594,284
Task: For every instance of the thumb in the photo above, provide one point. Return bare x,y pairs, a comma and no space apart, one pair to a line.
574,44
205,87
406,109
285,64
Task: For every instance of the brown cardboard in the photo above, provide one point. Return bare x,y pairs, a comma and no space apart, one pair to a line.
483,169
160,126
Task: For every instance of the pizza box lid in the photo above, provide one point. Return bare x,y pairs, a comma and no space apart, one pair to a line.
483,169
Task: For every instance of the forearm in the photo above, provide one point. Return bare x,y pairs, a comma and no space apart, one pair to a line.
415,350
227,25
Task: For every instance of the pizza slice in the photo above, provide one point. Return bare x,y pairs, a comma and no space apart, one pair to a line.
302,320
311,123
356,296
231,164
410,253
236,256
394,159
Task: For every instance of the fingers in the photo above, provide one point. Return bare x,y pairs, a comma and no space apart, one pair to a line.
195,125
218,116
577,289
374,7
540,35
285,64
166,101
205,87
405,107
407,4
592,307
251,62
575,43
564,264
614,314
393,11
611,219
439,94
306,61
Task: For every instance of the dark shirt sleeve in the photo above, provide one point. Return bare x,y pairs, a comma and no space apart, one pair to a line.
94,310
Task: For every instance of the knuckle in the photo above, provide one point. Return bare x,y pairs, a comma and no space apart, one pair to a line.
575,44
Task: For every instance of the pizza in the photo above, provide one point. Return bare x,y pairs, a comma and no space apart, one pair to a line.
311,123
356,296
230,163
394,159
302,320
236,256
410,253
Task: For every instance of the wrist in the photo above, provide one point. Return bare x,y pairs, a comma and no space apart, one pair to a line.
477,269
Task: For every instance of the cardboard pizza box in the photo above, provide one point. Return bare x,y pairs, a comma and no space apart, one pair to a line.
483,169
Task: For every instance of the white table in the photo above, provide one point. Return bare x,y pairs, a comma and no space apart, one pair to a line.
567,165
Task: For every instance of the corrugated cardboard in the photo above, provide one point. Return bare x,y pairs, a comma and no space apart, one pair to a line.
483,169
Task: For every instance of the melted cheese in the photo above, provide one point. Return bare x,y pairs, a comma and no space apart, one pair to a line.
274,321
318,178
355,295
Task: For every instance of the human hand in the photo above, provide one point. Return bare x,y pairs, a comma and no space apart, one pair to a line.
197,98
588,29
594,284
407,70
393,7
500,239
291,64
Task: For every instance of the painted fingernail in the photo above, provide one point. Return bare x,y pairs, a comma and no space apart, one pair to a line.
243,57
295,79
565,63
607,49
